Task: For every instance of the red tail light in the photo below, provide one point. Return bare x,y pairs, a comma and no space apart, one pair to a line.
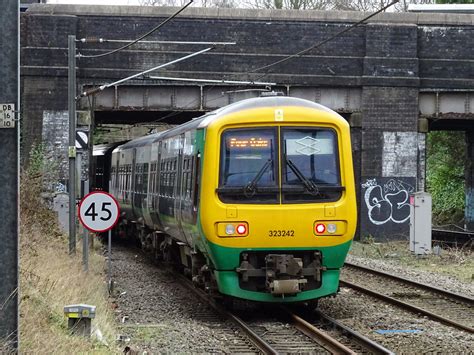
320,228
241,229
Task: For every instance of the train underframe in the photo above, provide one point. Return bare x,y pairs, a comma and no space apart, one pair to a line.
282,276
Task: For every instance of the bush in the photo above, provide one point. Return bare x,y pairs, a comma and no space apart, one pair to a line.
50,278
445,175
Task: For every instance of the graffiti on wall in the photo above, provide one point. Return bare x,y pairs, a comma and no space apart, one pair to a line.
387,201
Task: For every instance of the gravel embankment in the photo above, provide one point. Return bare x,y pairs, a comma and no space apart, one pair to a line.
406,333
158,315
430,278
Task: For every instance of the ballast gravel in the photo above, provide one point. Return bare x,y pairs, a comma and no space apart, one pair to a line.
399,331
157,315
430,278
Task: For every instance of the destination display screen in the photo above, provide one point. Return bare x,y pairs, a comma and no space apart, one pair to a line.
247,142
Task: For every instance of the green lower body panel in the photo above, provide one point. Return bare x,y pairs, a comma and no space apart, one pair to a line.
227,260
228,282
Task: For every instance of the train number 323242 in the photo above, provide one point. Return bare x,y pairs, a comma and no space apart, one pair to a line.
281,233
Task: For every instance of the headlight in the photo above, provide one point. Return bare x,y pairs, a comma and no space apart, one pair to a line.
229,229
232,229
329,228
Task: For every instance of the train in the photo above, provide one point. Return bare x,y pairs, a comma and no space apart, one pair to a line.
255,201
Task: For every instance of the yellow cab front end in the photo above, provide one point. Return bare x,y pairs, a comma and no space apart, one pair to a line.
278,208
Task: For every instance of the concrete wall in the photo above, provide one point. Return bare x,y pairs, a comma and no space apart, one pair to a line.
389,61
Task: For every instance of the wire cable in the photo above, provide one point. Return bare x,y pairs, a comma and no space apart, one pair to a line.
268,66
140,38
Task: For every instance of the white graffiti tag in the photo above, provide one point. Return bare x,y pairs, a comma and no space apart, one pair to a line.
389,202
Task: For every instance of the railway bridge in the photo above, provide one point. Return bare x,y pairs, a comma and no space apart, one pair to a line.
394,78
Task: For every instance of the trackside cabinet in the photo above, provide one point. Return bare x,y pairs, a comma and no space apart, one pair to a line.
420,223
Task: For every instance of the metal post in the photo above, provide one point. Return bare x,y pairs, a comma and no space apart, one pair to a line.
109,261
85,239
72,141
9,176
85,249
78,174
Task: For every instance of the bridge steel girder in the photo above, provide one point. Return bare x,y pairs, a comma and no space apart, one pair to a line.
208,98
447,104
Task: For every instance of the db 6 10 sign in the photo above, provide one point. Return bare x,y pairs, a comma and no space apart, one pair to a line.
99,211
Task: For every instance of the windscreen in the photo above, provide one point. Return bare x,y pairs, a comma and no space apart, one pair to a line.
248,165
309,160
250,162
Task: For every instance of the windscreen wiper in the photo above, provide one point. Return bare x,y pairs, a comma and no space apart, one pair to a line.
310,186
251,187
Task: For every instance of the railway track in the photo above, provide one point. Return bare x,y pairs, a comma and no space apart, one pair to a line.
288,332
453,238
350,338
443,306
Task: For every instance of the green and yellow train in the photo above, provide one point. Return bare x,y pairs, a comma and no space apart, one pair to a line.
255,200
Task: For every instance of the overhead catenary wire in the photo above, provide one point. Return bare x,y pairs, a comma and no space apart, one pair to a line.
211,81
268,66
289,57
104,40
156,28
115,83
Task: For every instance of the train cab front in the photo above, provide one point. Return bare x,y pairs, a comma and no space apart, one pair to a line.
282,213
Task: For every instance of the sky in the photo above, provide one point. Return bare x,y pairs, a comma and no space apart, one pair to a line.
94,2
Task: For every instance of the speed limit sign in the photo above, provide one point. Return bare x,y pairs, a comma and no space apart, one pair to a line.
99,211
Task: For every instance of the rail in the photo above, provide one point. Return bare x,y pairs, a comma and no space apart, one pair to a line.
450,299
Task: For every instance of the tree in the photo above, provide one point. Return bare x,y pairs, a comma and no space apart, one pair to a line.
445,178
455,1
200,3
288,4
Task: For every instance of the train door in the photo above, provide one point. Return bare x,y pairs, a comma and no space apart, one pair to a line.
179,188
153,191
133,181
186,198
114,174
147,182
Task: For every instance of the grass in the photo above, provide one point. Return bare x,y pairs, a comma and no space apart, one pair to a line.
455,262
51,279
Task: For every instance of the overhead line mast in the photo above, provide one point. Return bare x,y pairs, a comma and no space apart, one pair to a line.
72,98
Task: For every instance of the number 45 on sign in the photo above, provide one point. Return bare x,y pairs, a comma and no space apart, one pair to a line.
99,211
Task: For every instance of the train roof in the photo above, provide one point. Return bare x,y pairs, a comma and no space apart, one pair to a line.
258,102
103,149
208,118
138,142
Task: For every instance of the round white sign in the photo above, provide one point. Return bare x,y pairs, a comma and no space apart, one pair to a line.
99,211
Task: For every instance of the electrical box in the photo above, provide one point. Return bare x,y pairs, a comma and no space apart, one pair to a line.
79,318
420,223
61,206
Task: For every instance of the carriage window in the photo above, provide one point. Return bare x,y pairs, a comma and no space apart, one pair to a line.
248,168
